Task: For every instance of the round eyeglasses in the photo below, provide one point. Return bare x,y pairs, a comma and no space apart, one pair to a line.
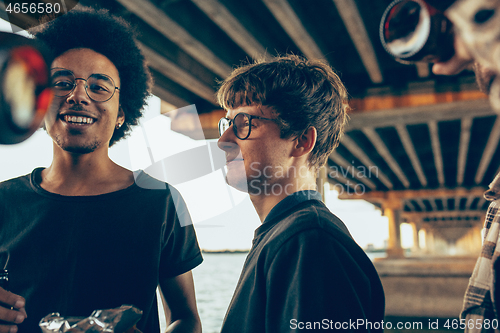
242,124
99,87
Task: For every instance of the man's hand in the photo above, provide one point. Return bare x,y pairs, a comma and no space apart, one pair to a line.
12,311
460,60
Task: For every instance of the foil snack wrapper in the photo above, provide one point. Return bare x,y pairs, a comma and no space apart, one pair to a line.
118,320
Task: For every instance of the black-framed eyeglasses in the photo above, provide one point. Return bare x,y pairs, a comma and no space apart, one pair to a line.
242,124
99,87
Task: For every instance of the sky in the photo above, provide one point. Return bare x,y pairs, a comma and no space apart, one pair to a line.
224,218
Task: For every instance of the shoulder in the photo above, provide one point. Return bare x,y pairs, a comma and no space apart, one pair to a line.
150,184
15,184
155,190
146,182
309,218
312,228
15,191
320,256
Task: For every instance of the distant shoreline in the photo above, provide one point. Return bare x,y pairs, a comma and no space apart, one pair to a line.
225,251
374,250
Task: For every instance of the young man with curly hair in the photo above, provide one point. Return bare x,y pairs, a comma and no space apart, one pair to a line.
86,233
304,270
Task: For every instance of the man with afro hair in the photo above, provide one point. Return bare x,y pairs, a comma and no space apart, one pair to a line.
85,233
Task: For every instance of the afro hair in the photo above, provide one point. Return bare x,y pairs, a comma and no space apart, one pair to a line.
112,37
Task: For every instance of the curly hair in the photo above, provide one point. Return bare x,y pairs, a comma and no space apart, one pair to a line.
112,37
302,93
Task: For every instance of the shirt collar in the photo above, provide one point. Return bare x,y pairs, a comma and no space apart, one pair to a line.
291,201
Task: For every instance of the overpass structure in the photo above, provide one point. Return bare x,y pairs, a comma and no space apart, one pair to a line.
422,148
428,165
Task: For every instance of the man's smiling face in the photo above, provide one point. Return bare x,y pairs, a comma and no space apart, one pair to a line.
75,122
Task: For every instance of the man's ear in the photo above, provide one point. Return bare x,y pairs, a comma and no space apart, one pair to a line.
305,142
121,115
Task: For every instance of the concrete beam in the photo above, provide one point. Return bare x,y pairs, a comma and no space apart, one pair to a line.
469,201
221,16
381,196
355,27
339,180
349,168
432,201
360,155
420,202
157,19
168,97
177,74
386,155
481,202
445,204
436,151
408,113
412,154
291,23
410,216
411,205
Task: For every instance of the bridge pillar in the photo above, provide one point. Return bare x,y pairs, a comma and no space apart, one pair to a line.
430,246
416,226
392,209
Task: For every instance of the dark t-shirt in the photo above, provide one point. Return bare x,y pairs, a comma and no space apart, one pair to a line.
305,272
75,254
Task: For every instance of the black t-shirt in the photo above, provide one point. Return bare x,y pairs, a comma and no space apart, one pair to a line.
76,254
305,272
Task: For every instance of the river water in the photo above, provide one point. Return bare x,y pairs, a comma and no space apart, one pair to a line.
215,280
